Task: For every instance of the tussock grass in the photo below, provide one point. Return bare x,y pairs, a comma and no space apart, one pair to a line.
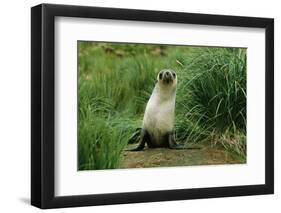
212,96
116,80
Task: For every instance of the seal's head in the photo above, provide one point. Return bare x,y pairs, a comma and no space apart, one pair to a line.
167,77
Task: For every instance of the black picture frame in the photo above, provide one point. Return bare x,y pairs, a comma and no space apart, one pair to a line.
43,105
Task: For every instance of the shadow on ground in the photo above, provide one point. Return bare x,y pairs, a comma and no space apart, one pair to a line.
25,200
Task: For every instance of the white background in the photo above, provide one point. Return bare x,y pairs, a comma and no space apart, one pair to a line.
15,106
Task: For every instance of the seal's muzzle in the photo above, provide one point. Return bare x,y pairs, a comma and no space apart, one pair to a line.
167,77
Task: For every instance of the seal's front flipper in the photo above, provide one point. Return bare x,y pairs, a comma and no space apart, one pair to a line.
141,145
135,136
174,145
172,142
177,146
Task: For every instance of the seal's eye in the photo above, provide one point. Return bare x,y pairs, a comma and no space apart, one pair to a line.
160,75
174,74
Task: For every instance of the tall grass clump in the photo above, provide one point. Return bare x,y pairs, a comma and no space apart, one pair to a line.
103,130
101,142
212,97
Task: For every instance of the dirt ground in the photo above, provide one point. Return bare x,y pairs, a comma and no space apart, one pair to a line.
164,157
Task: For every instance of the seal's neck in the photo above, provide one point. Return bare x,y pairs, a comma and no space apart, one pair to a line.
164,92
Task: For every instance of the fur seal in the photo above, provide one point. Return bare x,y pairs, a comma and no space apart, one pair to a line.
158,122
